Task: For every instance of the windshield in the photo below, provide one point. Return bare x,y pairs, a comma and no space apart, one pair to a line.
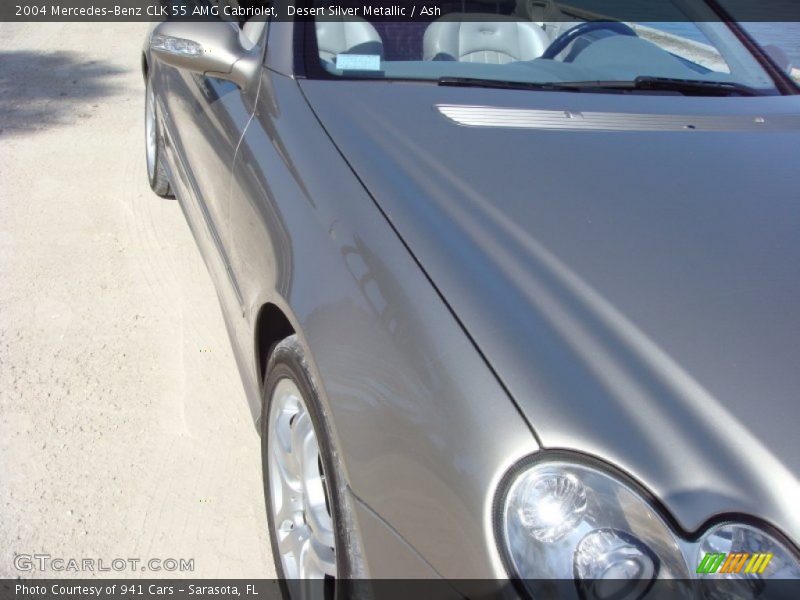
539,43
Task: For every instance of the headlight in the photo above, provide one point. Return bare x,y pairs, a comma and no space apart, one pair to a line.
563,520
742,551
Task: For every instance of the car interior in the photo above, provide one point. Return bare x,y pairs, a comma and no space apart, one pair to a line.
492,32
532,40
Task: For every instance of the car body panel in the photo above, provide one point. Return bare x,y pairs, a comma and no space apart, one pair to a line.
411,401
390,556
636,291
357,282
207,117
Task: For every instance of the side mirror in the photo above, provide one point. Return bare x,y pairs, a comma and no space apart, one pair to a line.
211,48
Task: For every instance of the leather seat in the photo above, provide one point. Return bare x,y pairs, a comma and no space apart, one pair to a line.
483,38
351,36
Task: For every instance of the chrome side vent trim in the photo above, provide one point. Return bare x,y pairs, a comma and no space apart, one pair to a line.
516,118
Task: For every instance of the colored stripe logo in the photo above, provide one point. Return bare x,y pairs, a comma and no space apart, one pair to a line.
734,562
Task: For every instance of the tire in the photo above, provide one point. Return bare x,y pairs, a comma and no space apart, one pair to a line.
154,145
288,373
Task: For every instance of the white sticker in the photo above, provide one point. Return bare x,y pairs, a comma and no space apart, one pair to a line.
358,62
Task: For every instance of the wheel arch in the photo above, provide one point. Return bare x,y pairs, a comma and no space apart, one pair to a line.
272,326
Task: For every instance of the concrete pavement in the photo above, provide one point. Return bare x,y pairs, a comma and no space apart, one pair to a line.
124,431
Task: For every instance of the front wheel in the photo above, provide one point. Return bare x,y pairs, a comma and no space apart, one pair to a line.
305,499
154,145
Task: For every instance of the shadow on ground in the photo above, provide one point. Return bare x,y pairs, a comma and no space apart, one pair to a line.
41,90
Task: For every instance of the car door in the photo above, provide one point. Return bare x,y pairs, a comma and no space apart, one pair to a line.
206,118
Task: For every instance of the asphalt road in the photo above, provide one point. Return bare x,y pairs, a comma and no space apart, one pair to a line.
124,431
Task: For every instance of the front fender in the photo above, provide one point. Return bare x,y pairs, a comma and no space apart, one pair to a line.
423,427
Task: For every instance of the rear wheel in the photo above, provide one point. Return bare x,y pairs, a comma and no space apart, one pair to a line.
306,505
154,145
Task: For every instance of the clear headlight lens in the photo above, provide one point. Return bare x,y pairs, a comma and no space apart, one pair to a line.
737,551
563,521
609,554
551,507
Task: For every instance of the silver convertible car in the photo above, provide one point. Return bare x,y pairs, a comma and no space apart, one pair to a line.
515,294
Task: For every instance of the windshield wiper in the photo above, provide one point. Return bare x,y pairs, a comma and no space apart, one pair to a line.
688,87
694,87
503,85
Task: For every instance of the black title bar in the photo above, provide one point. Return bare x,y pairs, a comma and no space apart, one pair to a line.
387,10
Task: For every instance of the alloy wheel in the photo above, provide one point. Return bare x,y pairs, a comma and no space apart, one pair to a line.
301,508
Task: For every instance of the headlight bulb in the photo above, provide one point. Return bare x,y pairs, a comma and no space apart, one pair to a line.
612,564
552,504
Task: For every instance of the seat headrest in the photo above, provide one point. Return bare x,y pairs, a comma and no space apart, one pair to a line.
351,36
493,39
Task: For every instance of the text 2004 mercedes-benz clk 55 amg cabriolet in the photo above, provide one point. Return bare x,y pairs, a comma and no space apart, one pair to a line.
513,299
